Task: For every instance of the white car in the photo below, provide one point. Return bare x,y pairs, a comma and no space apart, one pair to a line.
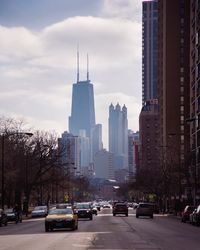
39,211
144,209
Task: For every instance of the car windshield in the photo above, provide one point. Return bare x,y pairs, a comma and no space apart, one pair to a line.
83,205
121,205
190,209
61,211
9,210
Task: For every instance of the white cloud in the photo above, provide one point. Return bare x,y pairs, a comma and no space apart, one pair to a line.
128,9
42,67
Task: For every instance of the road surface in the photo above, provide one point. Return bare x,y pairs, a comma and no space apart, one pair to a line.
104,232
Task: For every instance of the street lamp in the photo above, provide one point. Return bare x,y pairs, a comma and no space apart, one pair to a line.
3,136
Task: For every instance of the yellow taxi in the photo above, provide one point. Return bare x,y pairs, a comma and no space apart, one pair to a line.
61,218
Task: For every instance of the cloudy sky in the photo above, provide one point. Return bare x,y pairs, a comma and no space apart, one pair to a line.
38,43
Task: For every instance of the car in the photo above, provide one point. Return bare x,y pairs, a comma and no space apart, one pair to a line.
3,218
84,210
195,217
59,218
106,205
94,209
97,205
39,211
191,217
63,205
144,209
185,216
120,208
13,216
135,205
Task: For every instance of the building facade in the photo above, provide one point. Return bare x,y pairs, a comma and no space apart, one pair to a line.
82,111
96,140
133,153
173,87
104,164
70,149
195,97
149,50
118,135
149,136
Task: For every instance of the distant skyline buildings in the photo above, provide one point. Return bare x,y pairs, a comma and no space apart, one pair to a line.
70,148
149,50
82,109
118,135
82,120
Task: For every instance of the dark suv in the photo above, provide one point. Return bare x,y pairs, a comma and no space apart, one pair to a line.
13,216
84,210
120,208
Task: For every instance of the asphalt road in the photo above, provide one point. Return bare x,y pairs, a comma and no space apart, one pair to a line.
104,232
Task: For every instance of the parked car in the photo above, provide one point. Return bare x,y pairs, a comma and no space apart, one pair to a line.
61,218
3,218
39,211
191,217
84,210
195,217
185,216
144,209
120,208
13,216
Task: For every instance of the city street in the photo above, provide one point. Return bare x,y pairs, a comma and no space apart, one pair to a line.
104,232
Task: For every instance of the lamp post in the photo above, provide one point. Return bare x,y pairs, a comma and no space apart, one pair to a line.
3,136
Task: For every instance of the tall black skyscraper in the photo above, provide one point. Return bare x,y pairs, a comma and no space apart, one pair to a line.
82,111
149,50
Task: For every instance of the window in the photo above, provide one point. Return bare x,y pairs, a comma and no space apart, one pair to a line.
182,79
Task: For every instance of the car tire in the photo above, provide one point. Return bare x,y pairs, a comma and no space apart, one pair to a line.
137,216
151,216
46,228
0,224
6,223
114,214
126,214
91,217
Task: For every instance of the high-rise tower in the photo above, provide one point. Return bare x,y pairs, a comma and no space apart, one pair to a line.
82,111
118,135
149,50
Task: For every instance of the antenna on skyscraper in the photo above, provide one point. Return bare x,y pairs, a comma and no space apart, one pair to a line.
87,67
77,62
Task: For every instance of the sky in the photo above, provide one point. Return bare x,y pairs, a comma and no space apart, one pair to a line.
38,46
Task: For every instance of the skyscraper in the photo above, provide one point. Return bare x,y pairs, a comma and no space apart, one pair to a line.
118,135
82,111
149,50
173,82
69,146
96,140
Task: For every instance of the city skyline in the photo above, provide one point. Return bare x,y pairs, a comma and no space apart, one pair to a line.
38,59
